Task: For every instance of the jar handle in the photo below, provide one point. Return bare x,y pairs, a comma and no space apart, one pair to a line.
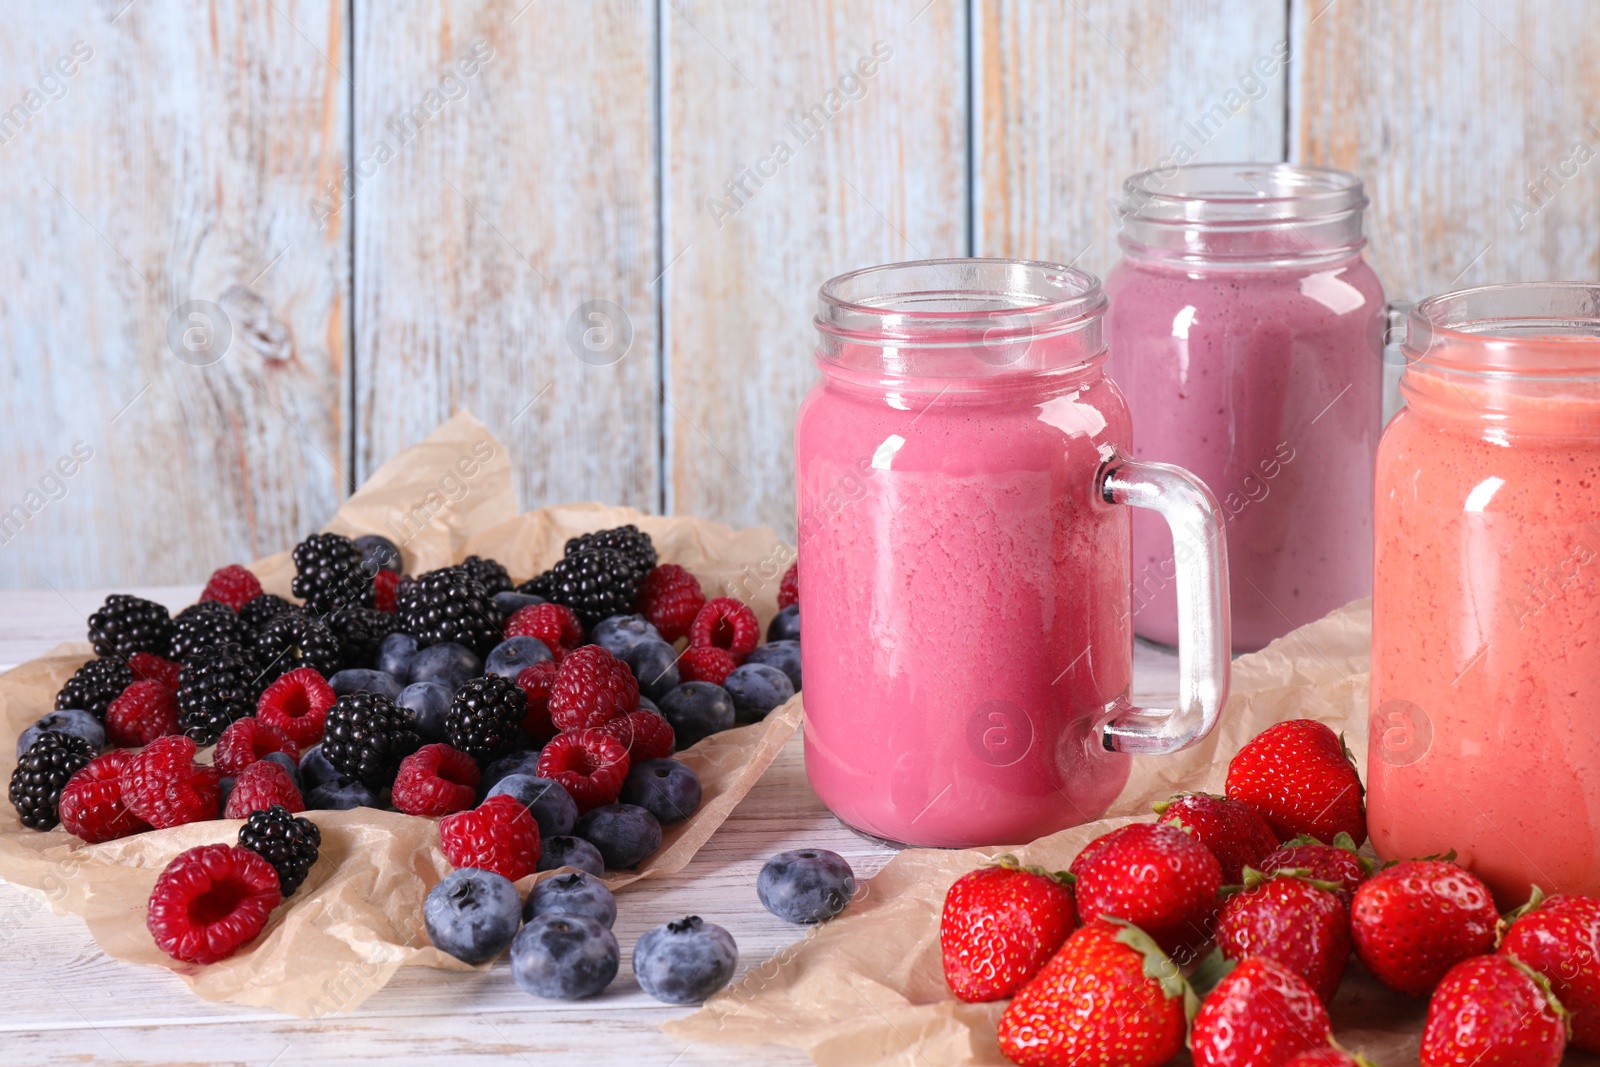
1204,625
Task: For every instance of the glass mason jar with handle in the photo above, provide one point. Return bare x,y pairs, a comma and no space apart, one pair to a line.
1486,612
962,471
1247,332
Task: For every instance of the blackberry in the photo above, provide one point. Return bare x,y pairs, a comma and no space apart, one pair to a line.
328,574
449,604
288,843
258,611
366,736
633,543
596,584
218,686
360,632
94,686
489,573
296,638
485,717
128,624
42,772
205,625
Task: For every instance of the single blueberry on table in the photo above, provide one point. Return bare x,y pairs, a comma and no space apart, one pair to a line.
315,769
784,655
785,625
697,710
472,914
684,962
806,885
756,689
357,679
625,834
666,788
508,603
287,762
574,852
341,794
514,655
395,654
621,632
655,665
564,957
573,893
429,704
378,553
551,806
515,763
72,721
447,663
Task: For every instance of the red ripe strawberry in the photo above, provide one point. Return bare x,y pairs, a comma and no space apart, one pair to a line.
1000,925
590,688
1260,1015
670,598
535,682
1302,779
498,835
92,807
247,740
590,765
1158,878
1338,863
554,624
1299,924
141,713
233,585
210,901
1109,997
164,786
727,624
297,703
436,780
149,667
789,587
1559,937
704,664
1235,833
386,591
260,786
1492,1011
643,733
1414,921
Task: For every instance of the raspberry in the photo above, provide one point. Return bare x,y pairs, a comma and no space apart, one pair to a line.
727,624
705,664
297,703
590,687
290,844
385,587
144,712
535,682
260,786
92,807
643,733
554,624
165,787
436,780
233,585
499,835
149,667
210,901
247,741
589,764
789,587
670,598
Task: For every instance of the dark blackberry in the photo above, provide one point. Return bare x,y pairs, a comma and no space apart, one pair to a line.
634,544
218,686
41,773
288,843
485,717
296,638
205,625
366,736
128,624
449,604
596,584
258,611
328,574
490,574
360,632
94,686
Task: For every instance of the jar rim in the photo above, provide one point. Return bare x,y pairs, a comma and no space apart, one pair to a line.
1239,194
1547,330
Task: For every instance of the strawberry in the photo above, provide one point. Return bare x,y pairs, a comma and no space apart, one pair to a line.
1110,996
1258,1016
1159,878
1414,921
1302,779
1332,1056
1492,1011
1295,921
1338,863
1235,833
1559,937
1000,925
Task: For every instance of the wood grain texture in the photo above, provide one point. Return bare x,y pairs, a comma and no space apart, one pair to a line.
498,197
173,163
1449,112
763,205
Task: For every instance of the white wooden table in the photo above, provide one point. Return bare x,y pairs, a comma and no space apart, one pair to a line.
66,1001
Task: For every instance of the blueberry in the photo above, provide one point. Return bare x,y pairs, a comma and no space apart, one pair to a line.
224,791
785,625
625,834
341,794
514,655
697,710
655,665
574,893
756,689
806,885
516,763
378,553
508,603
358,679
429,703
564,957
315,769
649,705
666,788
472,914
395,654
449,664
621,632
572,852
784,655
550,804
685,962
69,721
287,762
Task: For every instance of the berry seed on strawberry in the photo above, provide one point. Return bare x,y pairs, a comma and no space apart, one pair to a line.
1259,1014
297,704
1302,779
1296,922
1493,1011
645,734
1157,877
702,663
671,598
232,585
1559,937
211,901
535,683
164,786
436,780
589,764
1000,925
554,624
1414,921
498,835
591,687
260,786
143,712
1234,832
727,624
92,807
1338,863
248,740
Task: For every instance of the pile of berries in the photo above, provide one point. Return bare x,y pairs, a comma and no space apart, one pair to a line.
1094,958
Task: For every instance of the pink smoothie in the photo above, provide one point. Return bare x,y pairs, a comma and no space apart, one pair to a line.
955,572
1266,382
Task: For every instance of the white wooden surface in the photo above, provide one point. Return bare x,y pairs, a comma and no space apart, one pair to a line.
65,1001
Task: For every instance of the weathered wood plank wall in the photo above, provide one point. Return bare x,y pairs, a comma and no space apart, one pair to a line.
401,211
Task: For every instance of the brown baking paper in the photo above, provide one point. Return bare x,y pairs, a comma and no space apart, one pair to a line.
867,989
357,919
